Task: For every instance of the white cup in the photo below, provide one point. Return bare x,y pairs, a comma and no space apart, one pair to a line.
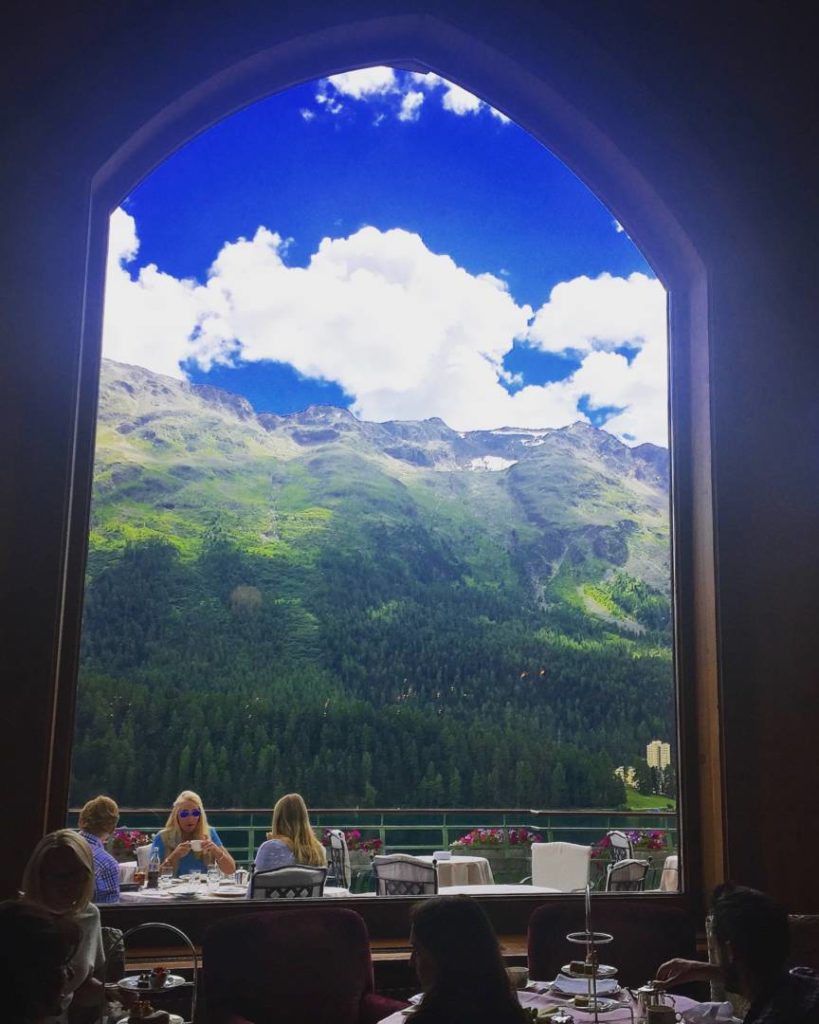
196,845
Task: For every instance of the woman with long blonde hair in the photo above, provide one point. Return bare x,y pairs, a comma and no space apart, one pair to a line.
291,839
187,843
59,878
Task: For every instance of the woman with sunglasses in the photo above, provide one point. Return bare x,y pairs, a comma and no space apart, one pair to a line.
187,843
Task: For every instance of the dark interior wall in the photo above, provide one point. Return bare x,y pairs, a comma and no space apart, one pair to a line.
714,108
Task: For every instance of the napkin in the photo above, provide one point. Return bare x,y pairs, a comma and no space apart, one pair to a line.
563,985
706,1012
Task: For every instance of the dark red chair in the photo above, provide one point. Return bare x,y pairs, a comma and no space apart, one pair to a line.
645,935
291,966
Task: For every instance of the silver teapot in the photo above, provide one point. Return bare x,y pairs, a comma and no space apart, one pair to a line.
650,994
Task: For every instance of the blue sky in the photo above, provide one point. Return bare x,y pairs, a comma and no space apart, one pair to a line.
388,242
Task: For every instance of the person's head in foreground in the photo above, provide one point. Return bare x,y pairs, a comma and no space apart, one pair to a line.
34,947
60,873
99,816
459,964
753,938
291,825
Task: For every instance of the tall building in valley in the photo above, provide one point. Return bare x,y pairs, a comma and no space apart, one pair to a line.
658,754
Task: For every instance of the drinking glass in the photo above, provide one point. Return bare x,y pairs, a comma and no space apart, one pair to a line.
214,876
165,878
139,877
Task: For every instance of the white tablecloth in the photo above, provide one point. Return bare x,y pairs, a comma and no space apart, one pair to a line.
511,889
541,1000
462,870
126,871
670,878
201,892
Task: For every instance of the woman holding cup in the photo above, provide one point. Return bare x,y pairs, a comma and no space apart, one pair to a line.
187,843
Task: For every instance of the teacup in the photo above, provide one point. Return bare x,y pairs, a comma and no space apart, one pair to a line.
518,976
196,845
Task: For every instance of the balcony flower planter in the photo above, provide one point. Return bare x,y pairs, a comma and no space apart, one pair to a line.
509,851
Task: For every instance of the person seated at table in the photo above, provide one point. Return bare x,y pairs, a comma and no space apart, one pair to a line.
291,839
459,965
98,819
59,878
34,950
752,937
187,843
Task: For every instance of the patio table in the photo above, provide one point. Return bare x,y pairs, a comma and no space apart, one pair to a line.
505,889
462,870
200,893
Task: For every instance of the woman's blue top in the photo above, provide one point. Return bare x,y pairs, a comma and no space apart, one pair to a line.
191,861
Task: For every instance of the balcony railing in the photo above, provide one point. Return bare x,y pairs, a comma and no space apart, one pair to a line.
411,829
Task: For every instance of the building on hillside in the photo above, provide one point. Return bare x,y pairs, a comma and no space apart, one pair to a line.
627,774
658,754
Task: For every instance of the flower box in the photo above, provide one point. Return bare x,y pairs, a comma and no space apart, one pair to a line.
509,851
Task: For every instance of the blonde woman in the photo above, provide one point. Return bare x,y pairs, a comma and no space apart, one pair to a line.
59,877
291,839
187,843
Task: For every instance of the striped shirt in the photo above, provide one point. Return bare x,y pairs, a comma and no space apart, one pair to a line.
106,870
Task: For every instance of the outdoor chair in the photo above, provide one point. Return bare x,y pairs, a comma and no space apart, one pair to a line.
563,866
291,966
627,875
293,881
619,845
645,935
338,858
400,875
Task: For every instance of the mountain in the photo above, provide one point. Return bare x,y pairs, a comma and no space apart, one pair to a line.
394,593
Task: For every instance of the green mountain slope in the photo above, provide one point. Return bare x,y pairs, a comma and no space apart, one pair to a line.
388,613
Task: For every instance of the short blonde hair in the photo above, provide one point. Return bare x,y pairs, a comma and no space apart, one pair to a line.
172,834
62,839
99,815
292,825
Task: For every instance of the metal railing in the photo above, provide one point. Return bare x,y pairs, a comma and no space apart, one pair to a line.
411,829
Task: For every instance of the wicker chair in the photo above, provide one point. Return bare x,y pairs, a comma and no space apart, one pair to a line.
400,875
627,875
619,845
293,881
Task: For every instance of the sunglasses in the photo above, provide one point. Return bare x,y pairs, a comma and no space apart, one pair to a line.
190,814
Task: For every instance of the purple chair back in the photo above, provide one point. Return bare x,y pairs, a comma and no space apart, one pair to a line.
307,964
645,935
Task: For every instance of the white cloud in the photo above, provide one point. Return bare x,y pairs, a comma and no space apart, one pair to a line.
307,114
459,101
411,106
364,82
400,91
406,331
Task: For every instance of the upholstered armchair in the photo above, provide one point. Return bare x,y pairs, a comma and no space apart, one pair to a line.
291,966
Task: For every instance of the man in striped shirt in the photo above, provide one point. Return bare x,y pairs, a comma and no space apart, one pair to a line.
98,819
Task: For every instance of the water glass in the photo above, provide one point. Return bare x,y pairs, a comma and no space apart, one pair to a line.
214,877
240,876
165,879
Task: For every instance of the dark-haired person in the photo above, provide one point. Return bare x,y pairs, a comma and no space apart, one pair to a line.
752,937
459,965
98,819
34,949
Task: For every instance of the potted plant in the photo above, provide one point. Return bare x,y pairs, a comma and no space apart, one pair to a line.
124,843
508,850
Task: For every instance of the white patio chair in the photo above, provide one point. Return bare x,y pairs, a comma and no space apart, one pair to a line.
338,856
563,866
620,845
670,877
398,874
